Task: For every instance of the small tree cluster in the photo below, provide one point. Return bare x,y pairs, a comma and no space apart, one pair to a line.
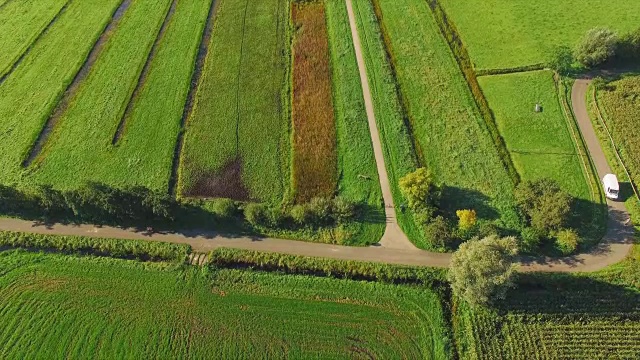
545,205
467,219
316,213
482,271
601,45
421,192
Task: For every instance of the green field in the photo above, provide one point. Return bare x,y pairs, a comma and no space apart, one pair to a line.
32,91
243,95
80,147
558,318
507,34
24,20
59,306
540,144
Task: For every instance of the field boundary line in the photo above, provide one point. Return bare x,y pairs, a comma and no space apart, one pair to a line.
196,75
238,75
69,94
513,70
44,31
613,144
144,73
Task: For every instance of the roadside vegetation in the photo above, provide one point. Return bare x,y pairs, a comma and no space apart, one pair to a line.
515,34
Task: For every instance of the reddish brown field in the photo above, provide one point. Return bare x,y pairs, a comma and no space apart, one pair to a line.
314,131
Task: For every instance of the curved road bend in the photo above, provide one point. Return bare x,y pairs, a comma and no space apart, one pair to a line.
393,248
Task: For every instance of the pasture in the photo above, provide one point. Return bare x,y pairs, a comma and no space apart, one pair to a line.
105,308
557,318
509,34
540,143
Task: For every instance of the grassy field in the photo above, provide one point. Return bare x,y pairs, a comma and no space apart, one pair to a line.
451,138
507,34
30,93
25,21
81,148
314,128
243,95
540,143
566,317
620,105
63,306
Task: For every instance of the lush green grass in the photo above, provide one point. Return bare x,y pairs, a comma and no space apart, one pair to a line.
358,175
104,308
20,23
239,129
450,136
540,144
30,93
79,148
563,316
507,34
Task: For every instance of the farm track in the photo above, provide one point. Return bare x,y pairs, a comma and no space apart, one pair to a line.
144,73
73,87
203,51
35,41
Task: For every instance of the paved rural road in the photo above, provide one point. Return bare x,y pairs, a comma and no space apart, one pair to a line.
393,248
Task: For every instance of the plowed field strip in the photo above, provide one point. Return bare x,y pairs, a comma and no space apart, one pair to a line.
24,23
71,90
314,128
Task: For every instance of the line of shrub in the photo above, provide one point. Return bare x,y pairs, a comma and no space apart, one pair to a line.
461,55
116,248
343,269
512,70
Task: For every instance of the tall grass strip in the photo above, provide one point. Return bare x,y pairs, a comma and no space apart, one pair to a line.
314,130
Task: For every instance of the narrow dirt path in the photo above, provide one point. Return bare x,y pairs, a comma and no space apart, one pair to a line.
394,237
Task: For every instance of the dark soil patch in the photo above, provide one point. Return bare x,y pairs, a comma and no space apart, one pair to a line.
203,50
142,79
225,183
69,94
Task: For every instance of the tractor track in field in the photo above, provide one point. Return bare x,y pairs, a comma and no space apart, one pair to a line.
70,92
4,4
44,31
201,57
238,78
142,78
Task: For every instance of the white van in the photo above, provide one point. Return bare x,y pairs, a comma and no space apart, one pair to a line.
611,186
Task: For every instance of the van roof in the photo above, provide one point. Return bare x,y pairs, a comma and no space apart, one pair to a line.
611,181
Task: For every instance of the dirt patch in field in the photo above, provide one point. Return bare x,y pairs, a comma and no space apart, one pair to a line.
225,183
314,130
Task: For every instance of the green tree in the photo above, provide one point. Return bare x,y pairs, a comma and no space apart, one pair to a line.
562,60
481,271
546,206
596,47
419,189
567,241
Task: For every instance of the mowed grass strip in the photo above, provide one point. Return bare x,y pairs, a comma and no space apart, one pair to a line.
507,34
80,143
21,22
539,142
144,154
63,306
446,125
358,174
314,129
31,92
237,138
619,102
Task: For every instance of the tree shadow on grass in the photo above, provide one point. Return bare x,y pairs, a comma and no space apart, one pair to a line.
570,295
626,191
455,198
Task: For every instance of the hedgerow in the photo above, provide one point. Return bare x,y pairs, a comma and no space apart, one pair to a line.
117,248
